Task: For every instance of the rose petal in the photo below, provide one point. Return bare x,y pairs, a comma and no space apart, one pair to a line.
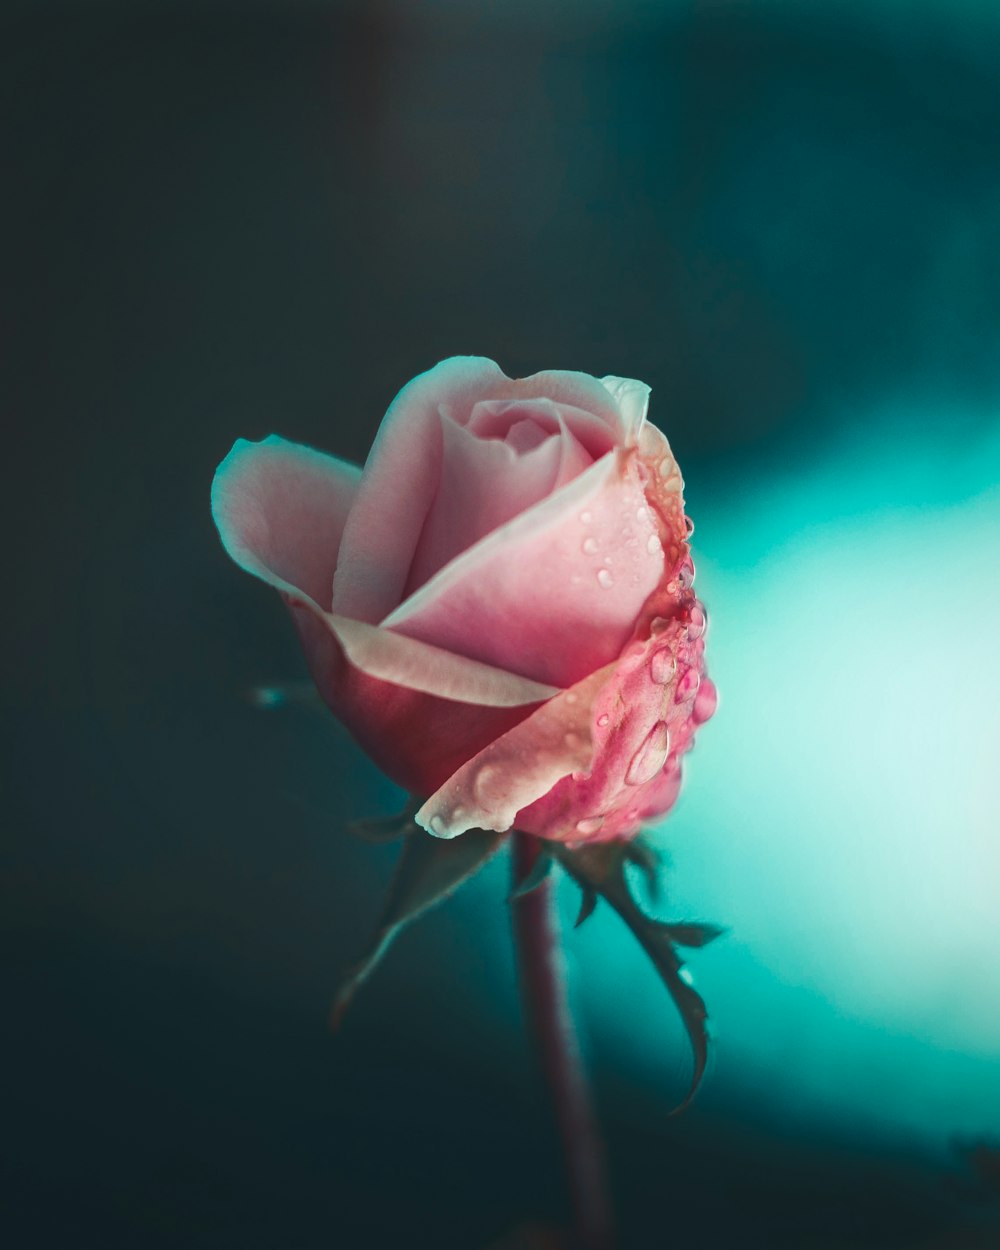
403,469
417,739
280,509
632,399
518,767
486,482
577,566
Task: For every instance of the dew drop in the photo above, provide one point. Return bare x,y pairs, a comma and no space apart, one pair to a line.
586,517
650,757
570,696
696,621
688,685
457,813
589,546
437,825
685,573
662,667
706,701
657,625
602,720
604,579
688,526
589,825
653,544
641,513
483,783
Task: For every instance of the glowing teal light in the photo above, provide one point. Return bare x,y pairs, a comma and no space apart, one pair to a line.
841,811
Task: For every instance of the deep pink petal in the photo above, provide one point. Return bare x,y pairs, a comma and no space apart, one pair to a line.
418,740
597,761
555,593
280,509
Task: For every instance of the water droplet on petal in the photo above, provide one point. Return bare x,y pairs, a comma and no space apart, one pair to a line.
589,546
641,513
589,825
571,696
688,526
653,544
604,579
662,667
586,517
483,783
437,825
685,573
657,625
457,813
696,621
603,719
706,701
688,685
650,757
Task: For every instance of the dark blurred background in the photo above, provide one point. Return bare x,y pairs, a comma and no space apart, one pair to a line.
228,219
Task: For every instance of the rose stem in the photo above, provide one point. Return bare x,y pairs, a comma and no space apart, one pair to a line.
547,1014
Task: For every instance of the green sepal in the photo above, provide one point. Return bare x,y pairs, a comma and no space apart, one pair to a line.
428,870
379,829
649,860
692,933
536,875
588,901
599,870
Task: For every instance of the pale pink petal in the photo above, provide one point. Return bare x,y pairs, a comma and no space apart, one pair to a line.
403,469
280,509
486,482
400,483
494,418
632,400
555,593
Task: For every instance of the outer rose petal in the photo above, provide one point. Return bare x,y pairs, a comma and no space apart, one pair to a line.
555,593
594,763
418,711
402,472
280,508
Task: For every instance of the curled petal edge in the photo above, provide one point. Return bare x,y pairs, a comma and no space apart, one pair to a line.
518,768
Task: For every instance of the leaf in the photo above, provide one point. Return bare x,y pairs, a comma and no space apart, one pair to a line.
428,870
600,870
536,875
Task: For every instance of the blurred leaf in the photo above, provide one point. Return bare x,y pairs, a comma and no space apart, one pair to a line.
429,869
600,871
388,828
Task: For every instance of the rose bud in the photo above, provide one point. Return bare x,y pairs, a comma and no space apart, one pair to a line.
499,606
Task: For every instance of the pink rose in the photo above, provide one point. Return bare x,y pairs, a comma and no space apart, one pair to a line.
499,607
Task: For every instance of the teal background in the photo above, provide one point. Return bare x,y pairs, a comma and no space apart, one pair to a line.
225,220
